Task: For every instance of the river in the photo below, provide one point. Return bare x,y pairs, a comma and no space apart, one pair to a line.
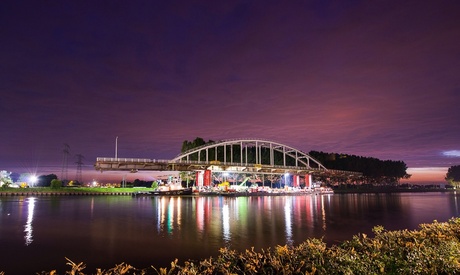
37,233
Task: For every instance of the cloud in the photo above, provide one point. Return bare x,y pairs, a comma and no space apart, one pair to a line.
451,153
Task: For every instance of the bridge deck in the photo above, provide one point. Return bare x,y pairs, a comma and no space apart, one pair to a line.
135,164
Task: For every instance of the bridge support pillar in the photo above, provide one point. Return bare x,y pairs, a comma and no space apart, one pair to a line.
199,178
203,178
308,181
296,181
207,178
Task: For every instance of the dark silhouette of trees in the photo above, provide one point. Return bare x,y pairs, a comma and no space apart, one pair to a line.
453,175
45,180
189,145
142,183
374,171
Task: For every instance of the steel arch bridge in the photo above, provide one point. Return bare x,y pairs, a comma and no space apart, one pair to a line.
256,156
251,155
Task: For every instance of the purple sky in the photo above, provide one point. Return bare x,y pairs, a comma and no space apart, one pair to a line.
370,78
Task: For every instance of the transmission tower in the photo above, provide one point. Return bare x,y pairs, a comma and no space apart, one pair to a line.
65,162
79,163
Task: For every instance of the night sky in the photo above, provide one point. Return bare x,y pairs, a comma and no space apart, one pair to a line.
370,78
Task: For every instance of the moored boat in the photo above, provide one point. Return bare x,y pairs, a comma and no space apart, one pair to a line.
165,192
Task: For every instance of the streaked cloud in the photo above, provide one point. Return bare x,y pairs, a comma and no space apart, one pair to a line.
452,153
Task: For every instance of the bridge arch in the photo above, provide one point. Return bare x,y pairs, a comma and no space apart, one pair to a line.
254,152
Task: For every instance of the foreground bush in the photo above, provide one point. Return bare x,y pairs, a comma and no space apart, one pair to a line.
433,249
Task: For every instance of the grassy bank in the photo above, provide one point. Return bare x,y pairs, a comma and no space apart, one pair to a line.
90,190
390,189
432,249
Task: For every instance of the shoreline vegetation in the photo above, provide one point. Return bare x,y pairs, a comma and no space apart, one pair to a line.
433,248
392,189
43,191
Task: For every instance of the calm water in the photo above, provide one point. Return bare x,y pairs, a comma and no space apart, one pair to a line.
37,233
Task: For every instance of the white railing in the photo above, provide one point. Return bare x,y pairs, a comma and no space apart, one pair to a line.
132,160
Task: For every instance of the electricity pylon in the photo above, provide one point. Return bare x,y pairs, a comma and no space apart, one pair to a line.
79,163
65,162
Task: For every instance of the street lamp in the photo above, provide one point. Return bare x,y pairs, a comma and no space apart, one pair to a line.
116,148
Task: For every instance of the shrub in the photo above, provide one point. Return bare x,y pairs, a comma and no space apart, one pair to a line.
433,249
55,184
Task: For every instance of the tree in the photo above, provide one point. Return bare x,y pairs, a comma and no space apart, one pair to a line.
374,171
5,178
453,175
187,145
56,184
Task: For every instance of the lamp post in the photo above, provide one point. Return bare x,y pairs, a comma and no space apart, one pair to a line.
116,148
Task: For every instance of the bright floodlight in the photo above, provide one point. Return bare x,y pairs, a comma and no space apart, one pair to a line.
33,179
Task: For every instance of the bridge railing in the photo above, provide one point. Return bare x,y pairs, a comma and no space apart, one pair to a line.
131,160
196,162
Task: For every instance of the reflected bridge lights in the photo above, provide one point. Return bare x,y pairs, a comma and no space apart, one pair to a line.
288,221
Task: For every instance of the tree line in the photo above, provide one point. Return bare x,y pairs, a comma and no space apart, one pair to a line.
453,175
375,171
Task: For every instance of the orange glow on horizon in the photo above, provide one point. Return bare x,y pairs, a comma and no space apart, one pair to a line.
426,175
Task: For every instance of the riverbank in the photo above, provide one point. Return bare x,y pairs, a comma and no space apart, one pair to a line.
142,191
68,191
432,249
100,191
390,189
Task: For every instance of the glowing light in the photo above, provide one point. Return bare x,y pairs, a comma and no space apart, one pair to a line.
33,179
426,174
451,153
28,226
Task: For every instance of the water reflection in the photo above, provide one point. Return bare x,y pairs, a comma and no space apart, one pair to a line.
323,210
101,231
455,206
266,221
168,214
28,229
226,222
200,215
287,221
